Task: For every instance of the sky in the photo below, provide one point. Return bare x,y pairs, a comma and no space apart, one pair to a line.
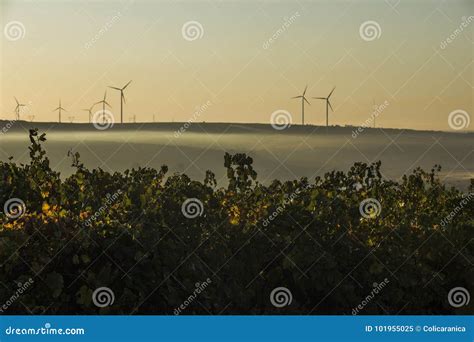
241,60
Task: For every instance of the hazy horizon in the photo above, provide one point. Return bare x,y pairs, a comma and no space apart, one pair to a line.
283,155
247,60
179,124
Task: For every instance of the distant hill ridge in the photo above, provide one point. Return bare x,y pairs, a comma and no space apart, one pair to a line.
205,127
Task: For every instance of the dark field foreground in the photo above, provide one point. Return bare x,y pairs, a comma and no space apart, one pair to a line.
345,243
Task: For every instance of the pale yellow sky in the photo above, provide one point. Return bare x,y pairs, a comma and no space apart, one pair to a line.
74,49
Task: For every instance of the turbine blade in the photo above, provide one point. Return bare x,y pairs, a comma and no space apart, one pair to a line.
55,109
304,98
127,85
107,104
297,97
331,92
105,95
305,88
16,100
123,98
329,103
115,88
319,98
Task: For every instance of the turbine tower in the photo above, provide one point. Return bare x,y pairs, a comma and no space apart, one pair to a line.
89,110
18,108
122,98
303,99
104,102
328,104
374,111
59,109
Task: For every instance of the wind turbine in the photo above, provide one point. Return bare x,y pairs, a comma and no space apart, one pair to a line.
303,99
18,107
328,104
59,109
89,110
122,98
104,102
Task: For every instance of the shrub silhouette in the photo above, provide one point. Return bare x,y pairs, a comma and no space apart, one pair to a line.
127,231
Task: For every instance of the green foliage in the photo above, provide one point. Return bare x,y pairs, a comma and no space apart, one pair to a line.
126,231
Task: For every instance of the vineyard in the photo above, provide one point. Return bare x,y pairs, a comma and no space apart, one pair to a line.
167,244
